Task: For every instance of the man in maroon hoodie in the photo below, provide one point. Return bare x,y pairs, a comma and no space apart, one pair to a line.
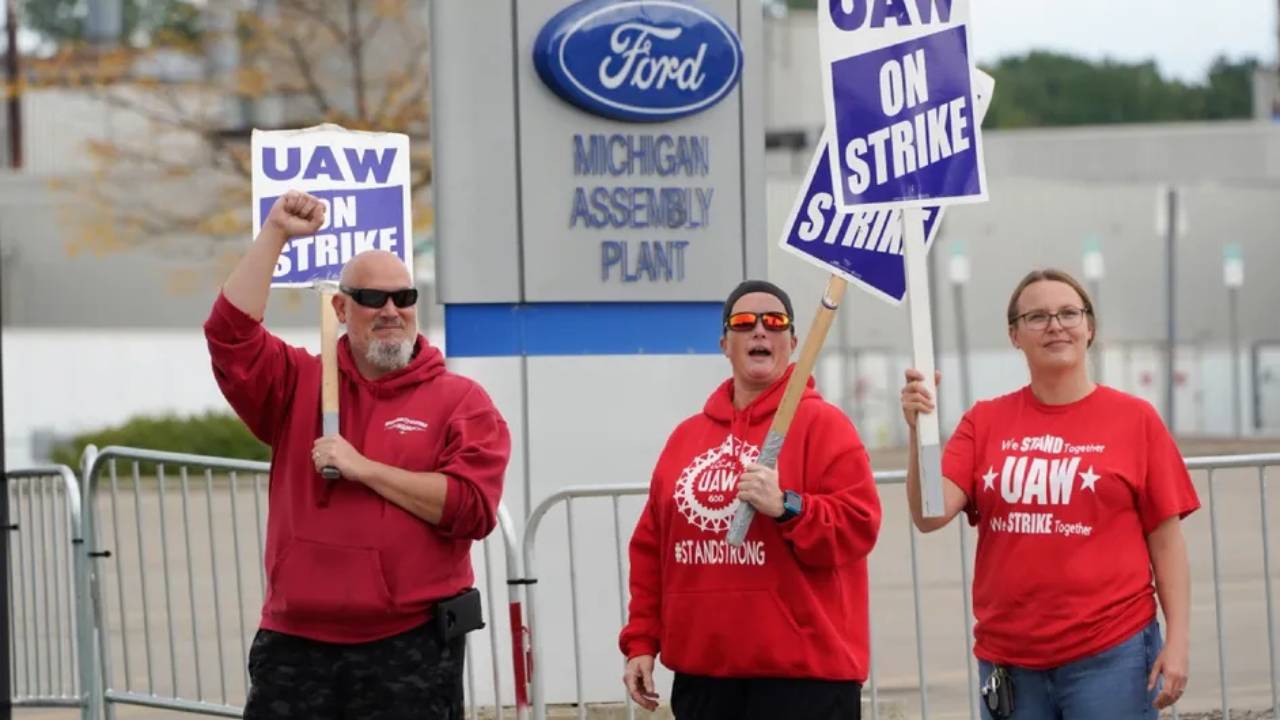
775,628
357,567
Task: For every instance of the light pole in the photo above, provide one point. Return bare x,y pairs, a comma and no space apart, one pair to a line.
1093,273
15,160
1233,278
1171,222
958,271
14,75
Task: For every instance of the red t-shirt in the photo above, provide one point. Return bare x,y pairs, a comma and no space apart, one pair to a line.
1064,497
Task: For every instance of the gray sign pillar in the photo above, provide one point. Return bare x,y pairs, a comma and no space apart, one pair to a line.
513,158
548,239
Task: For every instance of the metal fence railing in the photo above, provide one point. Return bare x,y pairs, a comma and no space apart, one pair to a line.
499,644
141,586
538,662
1212,467
615,494
585,651
44,650
177,544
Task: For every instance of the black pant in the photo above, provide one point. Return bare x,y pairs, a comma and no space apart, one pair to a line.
411,675
695,697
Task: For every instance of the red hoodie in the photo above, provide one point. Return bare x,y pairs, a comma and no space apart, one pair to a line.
343,564
792,600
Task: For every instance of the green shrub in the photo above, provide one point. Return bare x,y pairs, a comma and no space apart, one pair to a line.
217,434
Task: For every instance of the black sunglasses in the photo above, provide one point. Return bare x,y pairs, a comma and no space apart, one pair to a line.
370,298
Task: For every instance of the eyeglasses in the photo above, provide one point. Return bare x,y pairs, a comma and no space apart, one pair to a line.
370,298
746,321
1039,319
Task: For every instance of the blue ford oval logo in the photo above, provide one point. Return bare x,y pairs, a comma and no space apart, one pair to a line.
638,60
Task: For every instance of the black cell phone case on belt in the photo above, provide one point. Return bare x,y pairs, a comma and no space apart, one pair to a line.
997,693
459,615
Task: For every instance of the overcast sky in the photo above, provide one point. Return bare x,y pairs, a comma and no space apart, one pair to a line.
1182,35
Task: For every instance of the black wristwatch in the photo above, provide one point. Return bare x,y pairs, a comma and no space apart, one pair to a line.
792,505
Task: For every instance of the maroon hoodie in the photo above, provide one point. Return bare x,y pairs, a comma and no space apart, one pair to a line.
343,564
792,600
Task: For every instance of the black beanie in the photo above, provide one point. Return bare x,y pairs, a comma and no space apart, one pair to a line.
752,286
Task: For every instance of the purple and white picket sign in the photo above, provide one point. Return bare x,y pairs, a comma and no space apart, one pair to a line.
896,77
864,246
362,177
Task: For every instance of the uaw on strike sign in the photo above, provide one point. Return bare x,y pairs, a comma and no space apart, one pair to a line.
897,84
362,178
863,246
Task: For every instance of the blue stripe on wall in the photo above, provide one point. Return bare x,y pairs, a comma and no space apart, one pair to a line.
496,330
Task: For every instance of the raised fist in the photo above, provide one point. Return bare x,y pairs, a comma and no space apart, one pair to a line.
296,214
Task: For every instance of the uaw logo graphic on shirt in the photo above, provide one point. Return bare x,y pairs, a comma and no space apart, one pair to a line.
406,425
707,488
1026,477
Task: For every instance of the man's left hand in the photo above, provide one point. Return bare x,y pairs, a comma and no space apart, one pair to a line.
335,451
758,486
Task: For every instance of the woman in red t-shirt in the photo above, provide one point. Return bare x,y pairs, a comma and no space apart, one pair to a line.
1077,490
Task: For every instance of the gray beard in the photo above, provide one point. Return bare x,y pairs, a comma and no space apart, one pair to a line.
388,355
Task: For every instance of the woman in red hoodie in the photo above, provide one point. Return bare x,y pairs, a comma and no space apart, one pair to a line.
1077,490
357,569
777,627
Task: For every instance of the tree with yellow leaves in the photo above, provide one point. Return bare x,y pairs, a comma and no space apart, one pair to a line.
176,178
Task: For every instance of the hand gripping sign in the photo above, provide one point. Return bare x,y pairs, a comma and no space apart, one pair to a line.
899,99
363,180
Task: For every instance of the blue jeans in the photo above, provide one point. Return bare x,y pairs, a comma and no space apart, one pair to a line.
1111,684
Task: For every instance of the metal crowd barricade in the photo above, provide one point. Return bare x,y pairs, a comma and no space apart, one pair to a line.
615,493
499,645
1211,466
176,544
154,603
612,567
537,661
44,650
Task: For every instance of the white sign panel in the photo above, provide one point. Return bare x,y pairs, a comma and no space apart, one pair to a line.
363,179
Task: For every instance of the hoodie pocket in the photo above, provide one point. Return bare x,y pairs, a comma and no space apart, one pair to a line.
322,581
730,633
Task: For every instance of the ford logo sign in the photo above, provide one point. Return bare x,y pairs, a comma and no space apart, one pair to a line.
638,60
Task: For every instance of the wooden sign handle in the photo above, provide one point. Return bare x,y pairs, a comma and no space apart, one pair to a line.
329,371
813,341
